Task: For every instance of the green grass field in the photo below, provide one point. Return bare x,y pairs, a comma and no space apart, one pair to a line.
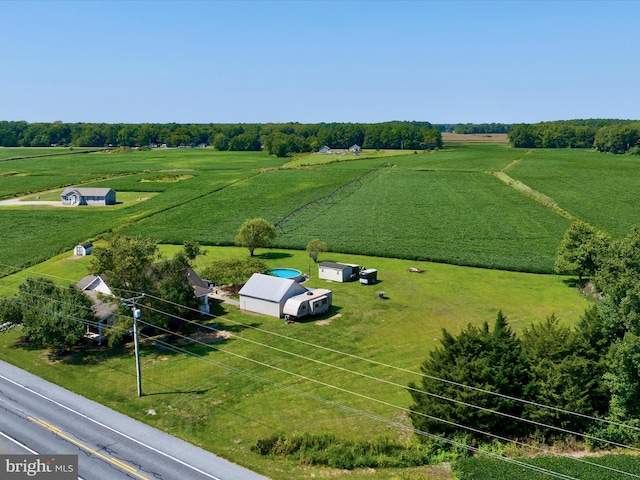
445,206
226,411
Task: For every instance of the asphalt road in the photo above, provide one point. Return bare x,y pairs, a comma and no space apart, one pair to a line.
39,417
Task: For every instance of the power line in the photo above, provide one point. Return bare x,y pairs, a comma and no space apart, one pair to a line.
571,432
421,374
397,424
406,371
356,373
558,475
404,387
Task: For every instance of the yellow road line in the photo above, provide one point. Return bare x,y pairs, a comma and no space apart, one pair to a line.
112,460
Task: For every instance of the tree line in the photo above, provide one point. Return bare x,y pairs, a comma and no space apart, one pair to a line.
586,372
613,136
278,139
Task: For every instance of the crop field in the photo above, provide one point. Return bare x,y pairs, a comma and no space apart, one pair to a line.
443,206
582,468
598,188
12,152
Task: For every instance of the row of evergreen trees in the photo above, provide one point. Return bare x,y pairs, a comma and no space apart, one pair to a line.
613,136
279,139
585,372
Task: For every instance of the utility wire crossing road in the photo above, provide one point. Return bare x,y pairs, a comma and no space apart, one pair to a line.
38,417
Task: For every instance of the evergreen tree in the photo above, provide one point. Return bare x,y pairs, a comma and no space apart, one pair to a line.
477,357
566,372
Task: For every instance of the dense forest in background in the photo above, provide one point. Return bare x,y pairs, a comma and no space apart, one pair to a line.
613,136
278,139
282,139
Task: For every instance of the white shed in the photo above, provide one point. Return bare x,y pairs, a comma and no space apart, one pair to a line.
83,249
267,294
338,272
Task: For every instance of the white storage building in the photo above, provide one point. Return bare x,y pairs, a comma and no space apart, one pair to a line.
267,294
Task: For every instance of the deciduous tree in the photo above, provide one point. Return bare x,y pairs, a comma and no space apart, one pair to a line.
315,247
581,250
234,271
53,316
255,233
126,262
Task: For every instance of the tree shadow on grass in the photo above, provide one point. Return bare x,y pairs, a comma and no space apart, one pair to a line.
90,354
274,255
573,282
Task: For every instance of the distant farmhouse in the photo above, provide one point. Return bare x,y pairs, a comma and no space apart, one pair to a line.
88,196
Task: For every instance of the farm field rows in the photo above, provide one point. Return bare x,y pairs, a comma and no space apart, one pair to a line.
582,468
598,188
443,206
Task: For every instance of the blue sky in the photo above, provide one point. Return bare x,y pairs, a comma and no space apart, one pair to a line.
318,61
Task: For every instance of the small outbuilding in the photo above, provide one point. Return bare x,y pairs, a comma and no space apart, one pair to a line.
369,276
267,294
88,196
324,149
338,272
83,249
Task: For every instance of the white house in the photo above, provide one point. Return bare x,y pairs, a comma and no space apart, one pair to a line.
324,149
338,272
267,294
355,148
83,249
103,311
88,196
201,290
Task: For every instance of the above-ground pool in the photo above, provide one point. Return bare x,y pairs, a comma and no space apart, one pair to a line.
291,273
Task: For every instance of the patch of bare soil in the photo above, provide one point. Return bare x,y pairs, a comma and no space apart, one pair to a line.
327,321
475,137
210,337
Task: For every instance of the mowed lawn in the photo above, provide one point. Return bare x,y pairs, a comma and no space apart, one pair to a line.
269,377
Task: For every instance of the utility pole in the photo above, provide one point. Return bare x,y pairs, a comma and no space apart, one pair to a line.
135,311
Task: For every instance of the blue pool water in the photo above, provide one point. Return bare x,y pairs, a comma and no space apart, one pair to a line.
285,273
